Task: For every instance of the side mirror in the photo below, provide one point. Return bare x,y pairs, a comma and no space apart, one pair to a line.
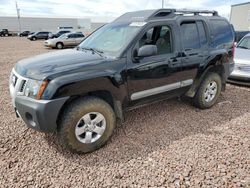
147,50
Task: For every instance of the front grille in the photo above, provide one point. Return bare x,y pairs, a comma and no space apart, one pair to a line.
23,84
17,84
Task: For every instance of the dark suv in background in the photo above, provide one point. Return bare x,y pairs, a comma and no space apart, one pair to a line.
24,34
4,33
39,35
139,58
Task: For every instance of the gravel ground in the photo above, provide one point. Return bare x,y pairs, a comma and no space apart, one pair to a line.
168,144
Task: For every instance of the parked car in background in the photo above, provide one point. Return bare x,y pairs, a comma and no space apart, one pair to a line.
39,35
4,33
24,34
239,35
58,34
65,40
241,73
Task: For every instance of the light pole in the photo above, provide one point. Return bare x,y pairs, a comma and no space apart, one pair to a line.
162,4
18,17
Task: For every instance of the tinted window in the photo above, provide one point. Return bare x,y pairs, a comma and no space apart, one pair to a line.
190,35
222,32
71,36
79,35
159,36
202,33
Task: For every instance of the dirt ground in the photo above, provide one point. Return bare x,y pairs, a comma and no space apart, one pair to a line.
167,144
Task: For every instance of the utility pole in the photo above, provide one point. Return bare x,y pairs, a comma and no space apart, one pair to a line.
162,4
18,16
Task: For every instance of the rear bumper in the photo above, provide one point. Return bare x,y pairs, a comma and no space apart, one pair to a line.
40,115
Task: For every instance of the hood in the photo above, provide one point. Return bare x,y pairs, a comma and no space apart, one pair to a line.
42,66
242,55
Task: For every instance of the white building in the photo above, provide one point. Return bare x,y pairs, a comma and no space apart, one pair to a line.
240,16
49,24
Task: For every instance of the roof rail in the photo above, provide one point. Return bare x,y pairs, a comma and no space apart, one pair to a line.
196,12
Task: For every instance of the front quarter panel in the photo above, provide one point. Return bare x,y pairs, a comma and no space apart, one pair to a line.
111,79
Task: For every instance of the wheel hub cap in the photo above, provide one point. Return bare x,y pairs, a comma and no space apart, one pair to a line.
90,127
210,91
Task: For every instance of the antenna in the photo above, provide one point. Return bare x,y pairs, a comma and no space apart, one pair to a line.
18,16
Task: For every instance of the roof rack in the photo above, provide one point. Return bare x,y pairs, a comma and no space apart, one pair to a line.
196,12
146,15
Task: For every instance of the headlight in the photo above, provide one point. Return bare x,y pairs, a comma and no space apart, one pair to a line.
35,89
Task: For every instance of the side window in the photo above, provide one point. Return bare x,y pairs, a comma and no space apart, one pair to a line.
159,36
190,35
202,33
222,32
71,36
79,35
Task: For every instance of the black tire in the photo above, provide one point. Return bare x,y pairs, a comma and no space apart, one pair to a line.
200,100
33,38
71,116
59,45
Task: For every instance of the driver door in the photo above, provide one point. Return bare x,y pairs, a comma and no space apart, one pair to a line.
159,74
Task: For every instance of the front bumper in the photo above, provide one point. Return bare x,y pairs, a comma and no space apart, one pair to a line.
240,75
49,45
40,115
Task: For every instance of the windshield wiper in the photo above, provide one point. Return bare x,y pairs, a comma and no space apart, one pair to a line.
94,50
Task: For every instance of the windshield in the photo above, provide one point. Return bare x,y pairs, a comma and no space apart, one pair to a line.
111,39
244,43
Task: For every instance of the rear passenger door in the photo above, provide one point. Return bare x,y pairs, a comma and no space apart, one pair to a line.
79,38
194,47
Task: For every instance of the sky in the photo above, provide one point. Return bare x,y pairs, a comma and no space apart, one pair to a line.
105,8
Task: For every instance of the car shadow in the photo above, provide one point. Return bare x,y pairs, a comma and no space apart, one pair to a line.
157,126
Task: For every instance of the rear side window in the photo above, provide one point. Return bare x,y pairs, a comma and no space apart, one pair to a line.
79,35
202,33
222,32
190,35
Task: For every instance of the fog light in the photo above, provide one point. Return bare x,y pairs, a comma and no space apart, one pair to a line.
30,119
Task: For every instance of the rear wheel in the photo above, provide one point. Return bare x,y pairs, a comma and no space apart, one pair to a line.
59,45
208,92
33,38
86,125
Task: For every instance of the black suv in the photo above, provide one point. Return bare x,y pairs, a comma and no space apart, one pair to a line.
139,58
39,35
4,33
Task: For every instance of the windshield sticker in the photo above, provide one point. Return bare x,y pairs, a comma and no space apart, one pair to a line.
137,24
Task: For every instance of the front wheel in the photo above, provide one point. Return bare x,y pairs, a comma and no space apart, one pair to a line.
86,125
208,91
59,45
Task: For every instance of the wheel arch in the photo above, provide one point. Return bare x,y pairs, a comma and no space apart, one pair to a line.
215,65
105,95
